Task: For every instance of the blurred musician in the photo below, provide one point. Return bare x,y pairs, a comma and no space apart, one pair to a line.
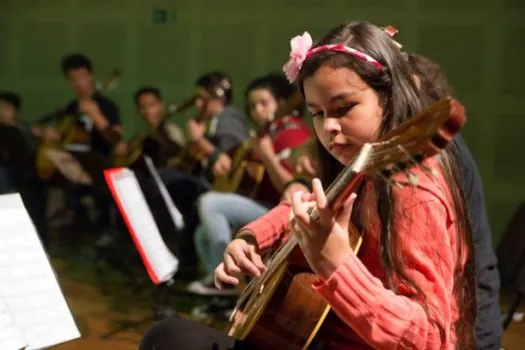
17,161
221,214
217,127
99,115
161,141
95,126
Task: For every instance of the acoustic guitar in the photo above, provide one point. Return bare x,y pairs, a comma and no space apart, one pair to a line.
160,136
70,130
279,309
191,158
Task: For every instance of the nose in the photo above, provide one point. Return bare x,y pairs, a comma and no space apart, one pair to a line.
259,110
331,126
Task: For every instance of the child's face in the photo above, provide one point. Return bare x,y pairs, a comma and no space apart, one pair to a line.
262,105
81,80
346,111
7,112
151,108
206,104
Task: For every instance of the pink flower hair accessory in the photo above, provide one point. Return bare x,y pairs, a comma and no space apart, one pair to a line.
300,45
301,50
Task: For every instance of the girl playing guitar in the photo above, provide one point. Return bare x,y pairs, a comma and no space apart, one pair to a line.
412,285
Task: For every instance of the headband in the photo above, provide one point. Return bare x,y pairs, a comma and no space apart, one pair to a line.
301,49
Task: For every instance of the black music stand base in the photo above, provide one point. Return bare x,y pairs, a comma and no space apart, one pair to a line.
160,311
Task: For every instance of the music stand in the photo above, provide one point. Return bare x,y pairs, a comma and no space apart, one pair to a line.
161,265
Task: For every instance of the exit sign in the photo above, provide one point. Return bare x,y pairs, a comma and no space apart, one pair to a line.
163,16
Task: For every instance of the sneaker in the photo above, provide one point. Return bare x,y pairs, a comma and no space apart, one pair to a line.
221,308
206,287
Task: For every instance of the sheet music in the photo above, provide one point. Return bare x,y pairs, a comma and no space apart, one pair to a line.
28,284
69,166
156,255
11,337
175,214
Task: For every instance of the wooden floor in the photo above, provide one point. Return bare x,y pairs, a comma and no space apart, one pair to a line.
94,316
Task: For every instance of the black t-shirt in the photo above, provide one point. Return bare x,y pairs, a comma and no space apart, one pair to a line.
488,323
109,109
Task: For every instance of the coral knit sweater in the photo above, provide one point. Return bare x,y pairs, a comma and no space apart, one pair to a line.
367,313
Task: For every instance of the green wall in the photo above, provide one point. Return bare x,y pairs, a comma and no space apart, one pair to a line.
480,44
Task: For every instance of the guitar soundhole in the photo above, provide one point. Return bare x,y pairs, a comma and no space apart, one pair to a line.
419,157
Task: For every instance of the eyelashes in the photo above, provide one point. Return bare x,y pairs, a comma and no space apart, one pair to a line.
337,113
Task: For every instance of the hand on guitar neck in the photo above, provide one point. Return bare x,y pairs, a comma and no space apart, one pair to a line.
196,129
90,108
325,243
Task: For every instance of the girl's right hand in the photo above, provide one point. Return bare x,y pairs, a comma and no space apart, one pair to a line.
240,258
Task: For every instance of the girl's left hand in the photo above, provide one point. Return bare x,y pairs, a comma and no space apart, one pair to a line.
326,243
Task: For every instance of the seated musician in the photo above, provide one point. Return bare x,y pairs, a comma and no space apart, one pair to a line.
99,119
9,108
223,213
21,177
411,284
163,139
488,325
217,127
98,114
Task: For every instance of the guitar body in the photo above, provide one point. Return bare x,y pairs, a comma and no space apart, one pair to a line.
248,177
71,131
282,311
189,160
44,166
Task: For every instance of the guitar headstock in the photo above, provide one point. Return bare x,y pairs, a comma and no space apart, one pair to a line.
111,82
420,137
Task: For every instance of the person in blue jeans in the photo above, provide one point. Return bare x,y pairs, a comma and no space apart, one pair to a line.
221,214
218,127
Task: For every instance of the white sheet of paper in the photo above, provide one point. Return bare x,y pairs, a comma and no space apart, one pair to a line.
11,337
28,284
175,214
162,261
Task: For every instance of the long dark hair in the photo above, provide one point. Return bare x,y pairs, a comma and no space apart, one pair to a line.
400,99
